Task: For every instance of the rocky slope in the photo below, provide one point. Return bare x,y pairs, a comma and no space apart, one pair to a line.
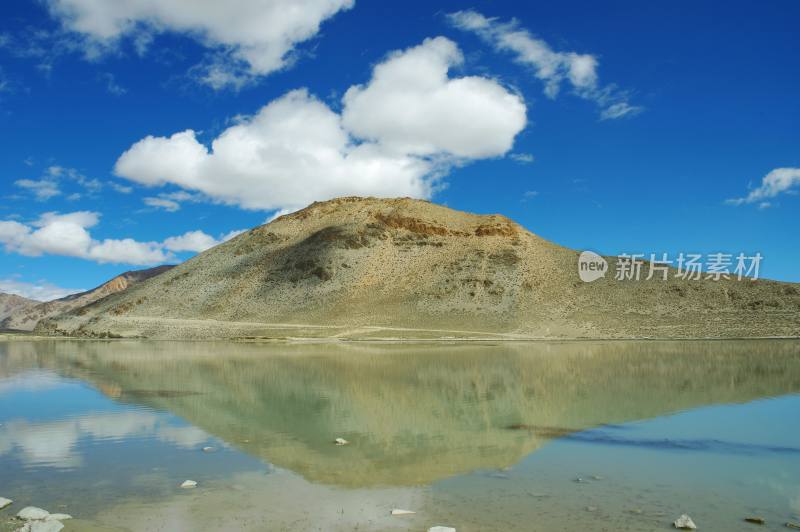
10,303
26,317
355,267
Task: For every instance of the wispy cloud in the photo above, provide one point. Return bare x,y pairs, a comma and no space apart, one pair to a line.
778,181
42,189
522,158
161,203
39,291
111,84
552,67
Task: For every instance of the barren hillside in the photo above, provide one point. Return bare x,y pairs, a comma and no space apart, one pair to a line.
25,318
355,267
10,303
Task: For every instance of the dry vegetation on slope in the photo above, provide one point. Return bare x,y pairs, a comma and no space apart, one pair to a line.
413,268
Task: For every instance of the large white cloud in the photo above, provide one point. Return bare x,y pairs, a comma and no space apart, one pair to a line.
296,149
552,67
68,235
778,181
258,35
411,105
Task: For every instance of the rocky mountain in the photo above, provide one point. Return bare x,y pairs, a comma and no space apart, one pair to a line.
10,303
26,317
403,268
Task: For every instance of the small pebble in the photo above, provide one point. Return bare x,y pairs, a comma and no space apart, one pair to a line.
398,511
755,520
209,449
793,526
189,484
340,441
5,502
441,529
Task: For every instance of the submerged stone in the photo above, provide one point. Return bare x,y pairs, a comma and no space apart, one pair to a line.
32,513
755,520
5,502
41,526
684,522
341,441
441,529
189,484
398,511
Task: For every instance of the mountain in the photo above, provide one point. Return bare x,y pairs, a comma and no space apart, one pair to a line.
10,303
26,317
403,268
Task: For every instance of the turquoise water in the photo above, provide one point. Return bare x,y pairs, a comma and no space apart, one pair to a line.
528,436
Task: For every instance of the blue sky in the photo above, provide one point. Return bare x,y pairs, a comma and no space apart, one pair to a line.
621,127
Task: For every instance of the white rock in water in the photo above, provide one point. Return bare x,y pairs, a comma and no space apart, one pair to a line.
341,441
209,449
58,517
441,529
41,526
5,502
189,484
684,522
32,513
398,511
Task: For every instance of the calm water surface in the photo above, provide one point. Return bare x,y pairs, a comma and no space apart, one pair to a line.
477,437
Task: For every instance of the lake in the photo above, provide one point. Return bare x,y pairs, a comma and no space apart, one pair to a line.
477,436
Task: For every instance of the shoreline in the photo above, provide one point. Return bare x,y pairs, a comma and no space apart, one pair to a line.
31,336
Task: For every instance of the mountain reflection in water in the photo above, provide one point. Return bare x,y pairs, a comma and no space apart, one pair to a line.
415,414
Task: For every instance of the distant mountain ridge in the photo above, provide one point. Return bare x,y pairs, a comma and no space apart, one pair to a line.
10,303
26,317
403,268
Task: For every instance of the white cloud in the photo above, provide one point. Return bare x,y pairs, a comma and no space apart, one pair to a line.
413,107
67,235
778,181
248,38
551,67
296,150
39,291
127,251
195,241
